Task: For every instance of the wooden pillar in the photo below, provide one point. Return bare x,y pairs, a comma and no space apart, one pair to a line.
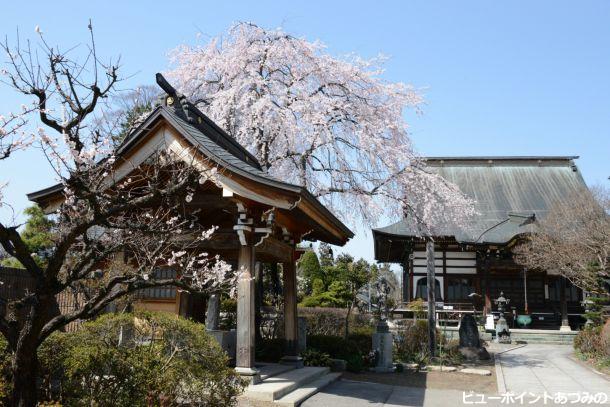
487,307
246,311
565,324
525,306
258,298
406,287
431,298
291,326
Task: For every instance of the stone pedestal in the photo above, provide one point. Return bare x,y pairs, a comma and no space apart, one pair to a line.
227,341
250,374
383,346
502,331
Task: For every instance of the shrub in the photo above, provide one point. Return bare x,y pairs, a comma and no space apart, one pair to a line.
589,342
5,363
362,341
593,343
140,359
450,354
270,350
313,357
605,339
353,350
228,314
331,321
595,312
355,363
418,306
361,331
411,344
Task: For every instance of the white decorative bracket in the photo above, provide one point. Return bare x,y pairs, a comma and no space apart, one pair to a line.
242,230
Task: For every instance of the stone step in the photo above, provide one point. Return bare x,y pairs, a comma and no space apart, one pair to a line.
275,387
545,339
304,392
267,370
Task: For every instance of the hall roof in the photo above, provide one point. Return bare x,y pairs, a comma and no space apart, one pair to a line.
509,192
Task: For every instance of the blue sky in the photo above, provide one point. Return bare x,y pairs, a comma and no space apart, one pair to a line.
500,78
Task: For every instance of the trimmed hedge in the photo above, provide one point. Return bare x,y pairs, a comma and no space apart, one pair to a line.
331,321
354,350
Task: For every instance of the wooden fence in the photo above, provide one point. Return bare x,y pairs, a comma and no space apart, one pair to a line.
15,283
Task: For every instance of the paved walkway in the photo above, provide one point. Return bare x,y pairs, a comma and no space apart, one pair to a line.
533,369
346,393
548,368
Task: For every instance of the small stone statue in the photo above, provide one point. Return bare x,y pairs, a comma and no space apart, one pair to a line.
382,338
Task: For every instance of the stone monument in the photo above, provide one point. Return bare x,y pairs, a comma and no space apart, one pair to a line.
470,343
382,346
226,339
383,343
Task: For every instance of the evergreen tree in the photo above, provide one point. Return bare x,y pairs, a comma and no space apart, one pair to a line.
309,270
37,236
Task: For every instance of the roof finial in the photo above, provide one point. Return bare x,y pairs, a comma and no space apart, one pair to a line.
164,84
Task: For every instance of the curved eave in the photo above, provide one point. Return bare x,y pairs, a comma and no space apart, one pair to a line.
45,194
383,250
386,245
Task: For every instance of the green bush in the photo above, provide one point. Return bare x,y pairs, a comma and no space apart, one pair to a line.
595,312
5,364
362,330
313,357
355,363
362,341
228,314
138,360
353,350
419,307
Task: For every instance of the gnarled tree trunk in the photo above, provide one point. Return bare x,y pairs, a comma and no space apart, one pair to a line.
24,371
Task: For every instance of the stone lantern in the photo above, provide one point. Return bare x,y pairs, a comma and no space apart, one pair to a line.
502,330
